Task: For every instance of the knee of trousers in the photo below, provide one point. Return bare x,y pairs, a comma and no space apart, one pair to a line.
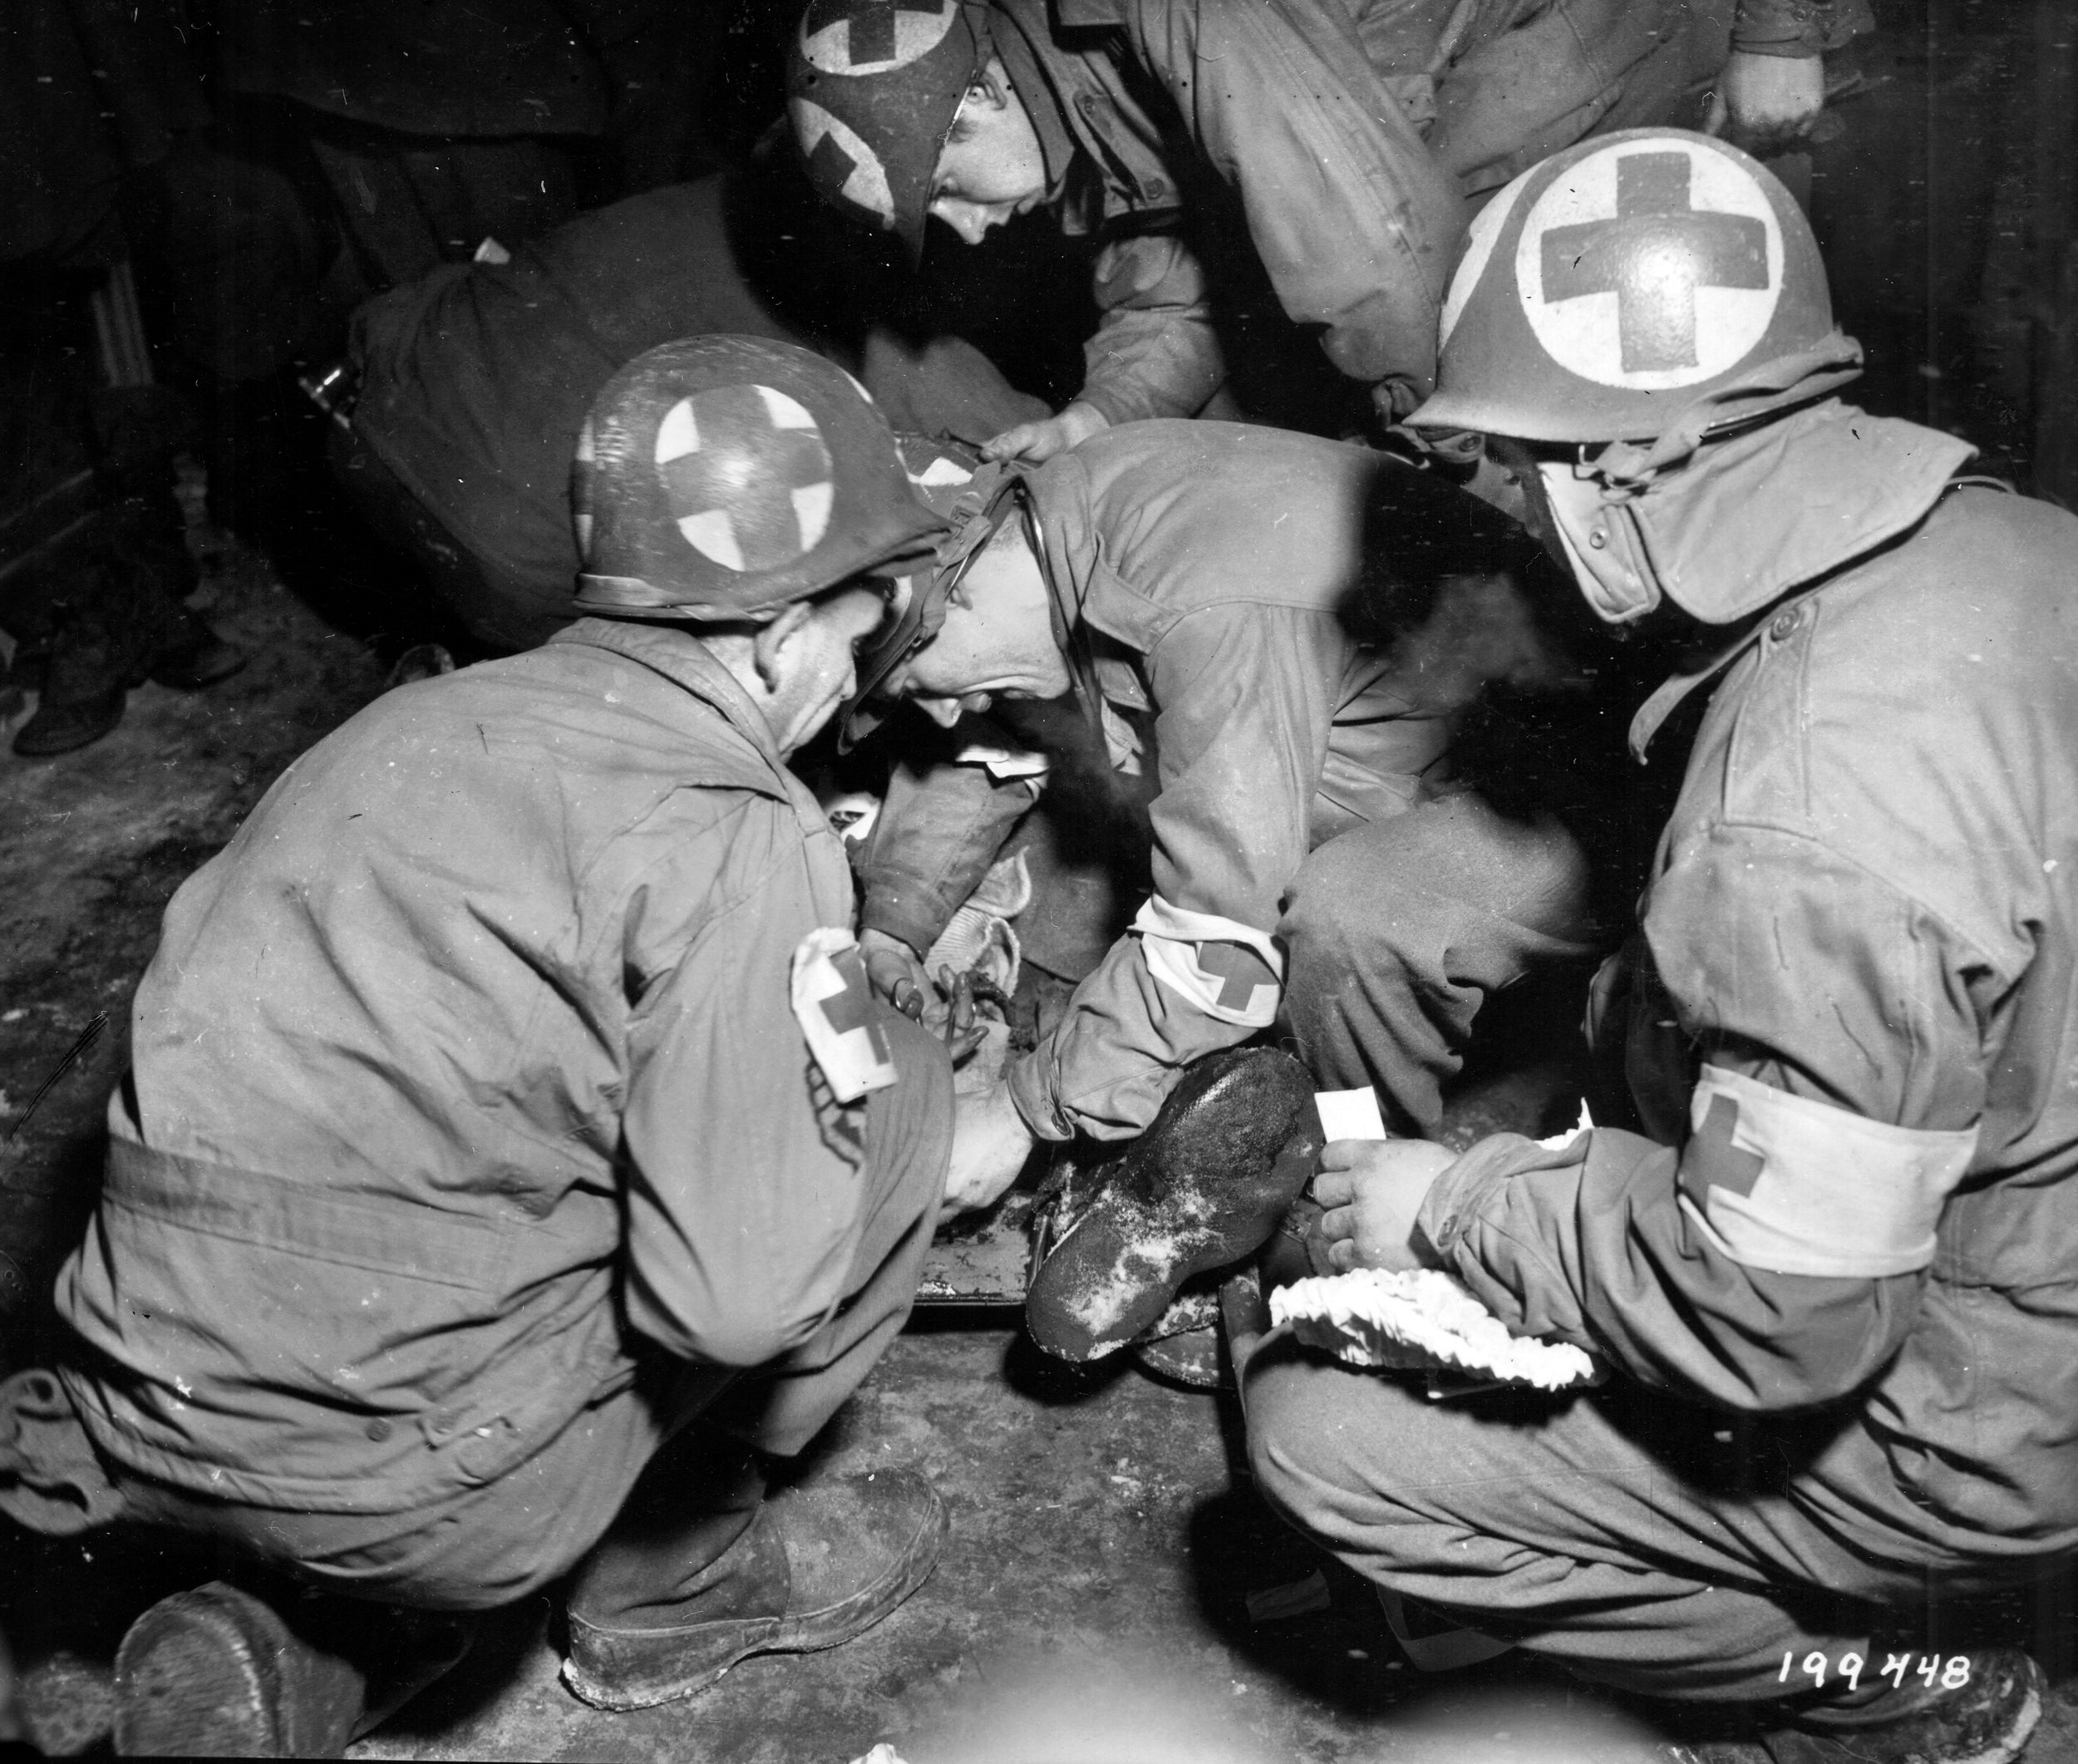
1320,1439
1359,907
910,1128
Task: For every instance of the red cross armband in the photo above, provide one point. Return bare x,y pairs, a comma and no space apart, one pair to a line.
1798,1187
834,1007
1229,971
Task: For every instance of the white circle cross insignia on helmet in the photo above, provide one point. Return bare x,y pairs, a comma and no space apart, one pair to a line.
581,489
870,37
841,164
748,475
1651,266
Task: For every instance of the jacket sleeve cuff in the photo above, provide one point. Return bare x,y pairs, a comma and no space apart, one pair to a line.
1033,1096
904,908
1460,1193
1119,405
1799,27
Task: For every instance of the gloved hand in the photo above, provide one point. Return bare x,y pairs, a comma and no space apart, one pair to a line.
1767,104
1037,442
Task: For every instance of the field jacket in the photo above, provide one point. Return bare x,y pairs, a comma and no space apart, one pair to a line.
465,1072
1225,649
1850,1020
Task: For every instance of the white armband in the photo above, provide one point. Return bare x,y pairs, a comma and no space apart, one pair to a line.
835,1007
1798,1187
1229,970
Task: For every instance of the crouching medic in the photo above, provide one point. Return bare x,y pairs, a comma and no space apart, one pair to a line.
513,1162
1827,1261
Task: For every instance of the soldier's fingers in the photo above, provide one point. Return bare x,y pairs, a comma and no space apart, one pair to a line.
1343,1254
1338,1222
960,1043
1332,1188
908,999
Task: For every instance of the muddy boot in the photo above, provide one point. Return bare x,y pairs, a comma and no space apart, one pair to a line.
819,1562
96,655
1204,1186
189,655
221,1672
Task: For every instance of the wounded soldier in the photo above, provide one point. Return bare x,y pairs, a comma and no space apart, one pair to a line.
1826,1264
1203,589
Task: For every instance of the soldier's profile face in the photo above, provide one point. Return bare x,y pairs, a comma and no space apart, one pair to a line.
990,167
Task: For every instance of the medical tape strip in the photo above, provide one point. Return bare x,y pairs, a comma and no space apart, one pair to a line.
1800,1187
1005,762
1173,942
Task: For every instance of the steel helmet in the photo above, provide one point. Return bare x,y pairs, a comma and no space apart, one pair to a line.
872,88
1616,285
722,477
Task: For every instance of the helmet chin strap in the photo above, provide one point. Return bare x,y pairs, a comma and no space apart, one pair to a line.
1605,507
1603,542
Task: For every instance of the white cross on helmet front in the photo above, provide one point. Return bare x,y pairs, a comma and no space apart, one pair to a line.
1610,287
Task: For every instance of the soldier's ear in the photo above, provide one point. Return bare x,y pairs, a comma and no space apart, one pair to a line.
768,649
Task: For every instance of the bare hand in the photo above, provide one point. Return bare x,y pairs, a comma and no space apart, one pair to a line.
1766,103
1037,442
1372,1190
895,972
990,1145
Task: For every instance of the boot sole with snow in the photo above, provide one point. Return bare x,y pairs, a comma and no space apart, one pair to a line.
1204,1185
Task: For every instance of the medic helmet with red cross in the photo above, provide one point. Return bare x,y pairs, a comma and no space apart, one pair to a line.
872,88
1610,286
721,477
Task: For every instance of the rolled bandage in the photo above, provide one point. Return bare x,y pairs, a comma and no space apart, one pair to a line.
1422,1321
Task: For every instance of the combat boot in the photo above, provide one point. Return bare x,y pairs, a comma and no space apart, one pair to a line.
219,1672
819,1562
1205,1184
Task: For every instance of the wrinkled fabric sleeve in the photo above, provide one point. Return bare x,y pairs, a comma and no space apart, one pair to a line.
742,1217
1155,351
942,824
1241,746
1791,967
1356,223
942,385
1799,27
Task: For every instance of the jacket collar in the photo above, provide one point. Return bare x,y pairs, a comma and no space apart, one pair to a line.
682,658
1766,520
1036,79
1057,508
